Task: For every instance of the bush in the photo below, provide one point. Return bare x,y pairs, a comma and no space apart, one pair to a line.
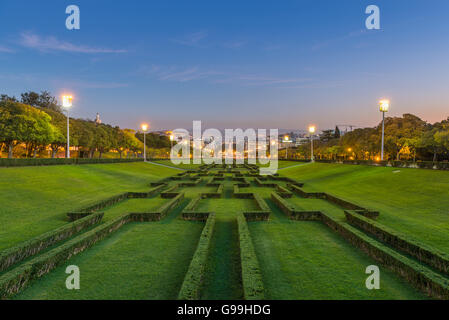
15,280
283,192
431,256
33,246
191,286
58,161
253,288
426,280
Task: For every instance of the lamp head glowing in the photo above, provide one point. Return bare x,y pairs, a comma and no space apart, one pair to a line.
144,127
172,137
67,101
384,105
285,138
312,129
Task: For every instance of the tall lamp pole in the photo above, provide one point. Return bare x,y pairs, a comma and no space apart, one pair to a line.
312,130
144,129
67,104
384,105
286,141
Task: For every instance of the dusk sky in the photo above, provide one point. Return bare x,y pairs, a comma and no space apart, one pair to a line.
258,64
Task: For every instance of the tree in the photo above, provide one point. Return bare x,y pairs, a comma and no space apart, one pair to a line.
43,100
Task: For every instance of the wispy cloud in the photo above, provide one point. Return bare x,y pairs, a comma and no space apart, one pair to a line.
178,74
50,43
329,42
6,49
234,44
192,39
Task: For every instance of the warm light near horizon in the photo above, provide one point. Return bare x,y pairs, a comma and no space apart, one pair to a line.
285,138
312,129
171,137
384,105
67,101
144,127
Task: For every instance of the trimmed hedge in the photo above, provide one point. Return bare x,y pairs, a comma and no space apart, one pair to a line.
15,280
193,280
252,283
396,164
431,256
81,213
335,200
419,276
33,246
264,184
170,192
160,213
291,211
263,214
58,161
283,192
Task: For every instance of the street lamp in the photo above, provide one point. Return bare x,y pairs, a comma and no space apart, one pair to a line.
312,130
144,127
172,137
384,105
286,140
67,103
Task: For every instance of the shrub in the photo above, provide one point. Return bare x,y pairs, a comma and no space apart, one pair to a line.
58,161
33,246
15,280
283,192
191,286
253,288
431,256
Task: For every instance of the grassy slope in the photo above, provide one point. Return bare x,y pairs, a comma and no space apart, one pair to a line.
412,201
306,260
35,199
140,261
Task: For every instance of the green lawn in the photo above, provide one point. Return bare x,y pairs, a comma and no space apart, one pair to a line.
306,260
223,279
36,199
412,201
140,261
181,166
133,205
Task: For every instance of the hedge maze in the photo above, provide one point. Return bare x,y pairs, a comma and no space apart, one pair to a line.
226,200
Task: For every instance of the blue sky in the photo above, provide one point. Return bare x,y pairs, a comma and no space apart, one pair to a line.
260,64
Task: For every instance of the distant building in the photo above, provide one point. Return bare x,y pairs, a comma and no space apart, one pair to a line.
97,119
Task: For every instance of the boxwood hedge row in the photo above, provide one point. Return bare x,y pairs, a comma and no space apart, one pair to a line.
431,256
160,213
193,280
421,277
58,161
283,192
15,280
83,212
252,283
33,246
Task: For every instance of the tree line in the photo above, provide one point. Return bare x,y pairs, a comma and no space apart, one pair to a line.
406,138
35,123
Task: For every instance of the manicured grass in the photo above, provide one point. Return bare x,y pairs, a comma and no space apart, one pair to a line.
36,199
223,280
133,205
306,260
182,165
140,261
412,201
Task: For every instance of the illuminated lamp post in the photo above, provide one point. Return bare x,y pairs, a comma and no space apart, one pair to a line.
144,127
384,105
312,130
67,104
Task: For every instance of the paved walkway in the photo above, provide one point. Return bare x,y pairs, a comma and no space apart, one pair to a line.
164,165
